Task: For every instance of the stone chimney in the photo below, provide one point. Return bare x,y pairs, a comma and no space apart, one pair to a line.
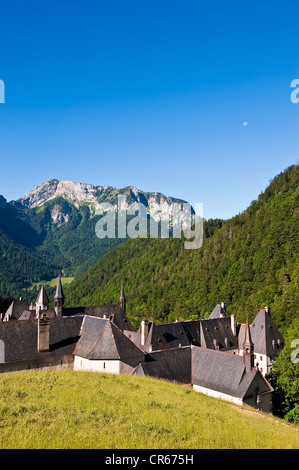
223,310
143,331
43,333
233,324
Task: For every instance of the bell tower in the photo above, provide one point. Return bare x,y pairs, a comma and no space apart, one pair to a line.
59,298
248,346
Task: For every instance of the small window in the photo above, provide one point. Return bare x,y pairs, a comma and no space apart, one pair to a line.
104,365
261,358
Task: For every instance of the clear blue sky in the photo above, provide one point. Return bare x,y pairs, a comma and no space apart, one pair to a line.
151,93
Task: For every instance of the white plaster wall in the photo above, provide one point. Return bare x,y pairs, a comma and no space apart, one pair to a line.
216,394
108,366
264,362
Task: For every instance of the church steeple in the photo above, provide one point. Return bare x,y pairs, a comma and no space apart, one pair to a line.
42,301
248,348
122,298
59,298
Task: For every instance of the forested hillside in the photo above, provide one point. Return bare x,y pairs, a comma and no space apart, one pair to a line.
249,262
34,249
52,229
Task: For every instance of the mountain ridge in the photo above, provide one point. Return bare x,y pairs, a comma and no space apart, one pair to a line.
51,229
84,192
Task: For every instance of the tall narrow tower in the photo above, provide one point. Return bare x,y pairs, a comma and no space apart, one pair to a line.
122,299
42,301
248,348
59,298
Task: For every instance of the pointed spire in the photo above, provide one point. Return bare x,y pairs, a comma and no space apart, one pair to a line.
248,348
42,297
42,300
248,344
59,291
122,298
59,298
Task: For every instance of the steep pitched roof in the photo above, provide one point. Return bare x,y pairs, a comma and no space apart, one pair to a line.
20,338
218,332
174,334
265,335
223,372
247,339
169,364
155,340
59,290
42,298
192,328
101,339
27,315
113,312
16,309
218,312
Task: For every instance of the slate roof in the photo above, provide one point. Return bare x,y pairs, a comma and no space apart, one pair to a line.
15,309
164,336
192,329
218,312
102,339
265,335
27,315
174,334
114,312
154,341
222,372
59,290
42,298
218,331
169,364
20,338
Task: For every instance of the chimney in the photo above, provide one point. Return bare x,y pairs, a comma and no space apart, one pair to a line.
223,310
267,310
233,324
144,331
43,333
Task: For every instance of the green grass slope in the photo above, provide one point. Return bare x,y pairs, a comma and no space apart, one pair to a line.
249,261
83,410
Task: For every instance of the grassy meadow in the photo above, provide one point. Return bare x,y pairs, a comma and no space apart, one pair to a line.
82,410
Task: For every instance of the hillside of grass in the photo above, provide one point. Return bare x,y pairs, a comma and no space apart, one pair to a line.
82,410
249,261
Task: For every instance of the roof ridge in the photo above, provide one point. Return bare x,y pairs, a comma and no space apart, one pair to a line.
97,341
